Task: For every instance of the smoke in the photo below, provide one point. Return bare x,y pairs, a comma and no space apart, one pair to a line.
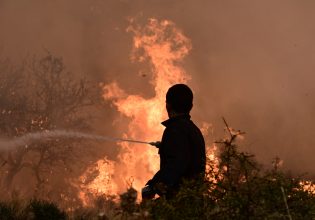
251,61
30,138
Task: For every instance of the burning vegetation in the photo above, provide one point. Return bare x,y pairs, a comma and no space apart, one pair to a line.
76,176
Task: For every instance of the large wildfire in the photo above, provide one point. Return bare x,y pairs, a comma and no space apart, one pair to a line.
163,45
78,120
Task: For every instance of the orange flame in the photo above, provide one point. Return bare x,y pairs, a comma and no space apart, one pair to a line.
165,46
97,180
308,186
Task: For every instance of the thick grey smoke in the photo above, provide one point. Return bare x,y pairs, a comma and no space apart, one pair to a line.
31,138
252,61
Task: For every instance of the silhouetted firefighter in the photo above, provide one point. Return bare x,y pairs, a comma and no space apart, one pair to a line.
182,149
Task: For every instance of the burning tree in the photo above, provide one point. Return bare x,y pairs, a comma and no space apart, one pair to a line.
41,95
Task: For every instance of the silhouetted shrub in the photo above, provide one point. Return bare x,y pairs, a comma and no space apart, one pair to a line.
12,210
45,210
238,189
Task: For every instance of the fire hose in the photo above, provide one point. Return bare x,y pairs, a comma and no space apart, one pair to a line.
29,138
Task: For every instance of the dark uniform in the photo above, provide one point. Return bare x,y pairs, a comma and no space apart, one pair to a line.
182,154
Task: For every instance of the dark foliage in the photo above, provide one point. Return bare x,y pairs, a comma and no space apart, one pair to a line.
45,210
238,189
34,210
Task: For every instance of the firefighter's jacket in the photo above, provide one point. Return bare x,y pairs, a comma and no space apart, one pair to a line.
182,153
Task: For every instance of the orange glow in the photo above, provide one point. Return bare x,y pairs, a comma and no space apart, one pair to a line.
308,186
97,180
164,46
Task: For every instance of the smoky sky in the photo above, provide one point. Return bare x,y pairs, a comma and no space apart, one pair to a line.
252,61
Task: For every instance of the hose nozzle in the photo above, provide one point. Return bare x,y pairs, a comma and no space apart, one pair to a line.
157,144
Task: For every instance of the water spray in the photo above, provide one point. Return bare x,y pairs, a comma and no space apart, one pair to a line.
30,138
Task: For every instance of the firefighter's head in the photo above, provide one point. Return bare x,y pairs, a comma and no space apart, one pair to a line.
179,100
